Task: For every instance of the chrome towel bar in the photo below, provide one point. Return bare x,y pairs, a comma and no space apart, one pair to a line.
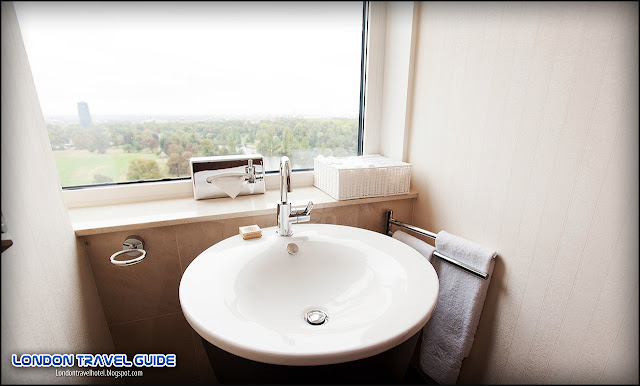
391,221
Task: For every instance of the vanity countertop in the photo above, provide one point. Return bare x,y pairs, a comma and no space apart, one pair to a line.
129,216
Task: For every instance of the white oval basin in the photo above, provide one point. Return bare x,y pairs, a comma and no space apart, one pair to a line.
250,297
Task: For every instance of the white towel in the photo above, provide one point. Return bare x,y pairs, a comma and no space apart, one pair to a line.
425,249
448,336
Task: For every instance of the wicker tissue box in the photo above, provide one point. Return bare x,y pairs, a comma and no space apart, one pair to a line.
347,178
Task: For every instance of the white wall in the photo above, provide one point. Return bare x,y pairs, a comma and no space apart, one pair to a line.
392,28
50,303
524,138
397,65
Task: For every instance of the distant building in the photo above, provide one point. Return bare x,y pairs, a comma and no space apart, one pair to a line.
163,155
83,114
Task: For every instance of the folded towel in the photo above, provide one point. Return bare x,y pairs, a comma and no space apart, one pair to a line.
448,336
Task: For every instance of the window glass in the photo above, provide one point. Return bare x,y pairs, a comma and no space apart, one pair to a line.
130,91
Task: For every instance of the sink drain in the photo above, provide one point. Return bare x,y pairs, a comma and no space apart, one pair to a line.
316,317
292,248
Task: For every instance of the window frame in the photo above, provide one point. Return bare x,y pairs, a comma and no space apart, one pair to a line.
180,187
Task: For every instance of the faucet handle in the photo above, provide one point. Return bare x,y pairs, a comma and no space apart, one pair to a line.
307,210
302,212
301,215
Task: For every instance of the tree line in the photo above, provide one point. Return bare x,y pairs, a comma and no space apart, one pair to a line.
299,138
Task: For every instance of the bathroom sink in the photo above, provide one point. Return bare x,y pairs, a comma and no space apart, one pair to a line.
328,294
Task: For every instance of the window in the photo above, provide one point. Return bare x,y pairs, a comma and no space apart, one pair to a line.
131,91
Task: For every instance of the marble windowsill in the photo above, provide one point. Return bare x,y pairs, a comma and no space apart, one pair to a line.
158,213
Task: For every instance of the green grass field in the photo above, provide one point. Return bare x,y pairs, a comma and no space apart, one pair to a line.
78,167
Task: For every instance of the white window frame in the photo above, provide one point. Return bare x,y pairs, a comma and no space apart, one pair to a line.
390,41
393,28
149,191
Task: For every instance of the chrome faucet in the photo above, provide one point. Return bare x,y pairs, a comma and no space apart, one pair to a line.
287,216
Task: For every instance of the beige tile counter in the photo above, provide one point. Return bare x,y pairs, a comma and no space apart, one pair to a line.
159,213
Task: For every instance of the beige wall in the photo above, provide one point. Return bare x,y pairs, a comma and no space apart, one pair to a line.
49,299
524,138
141,301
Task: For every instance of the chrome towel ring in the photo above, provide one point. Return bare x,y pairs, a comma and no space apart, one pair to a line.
132,245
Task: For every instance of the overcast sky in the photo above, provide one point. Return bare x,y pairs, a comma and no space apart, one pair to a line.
200,58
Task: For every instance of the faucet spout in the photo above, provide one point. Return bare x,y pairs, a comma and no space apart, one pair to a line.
286,214
285,179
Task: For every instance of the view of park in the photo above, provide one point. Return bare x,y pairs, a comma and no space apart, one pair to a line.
130,150
177,80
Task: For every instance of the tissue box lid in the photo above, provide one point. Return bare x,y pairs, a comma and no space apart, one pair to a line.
359,162
217,162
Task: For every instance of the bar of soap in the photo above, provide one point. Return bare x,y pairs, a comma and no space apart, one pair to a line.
250,232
